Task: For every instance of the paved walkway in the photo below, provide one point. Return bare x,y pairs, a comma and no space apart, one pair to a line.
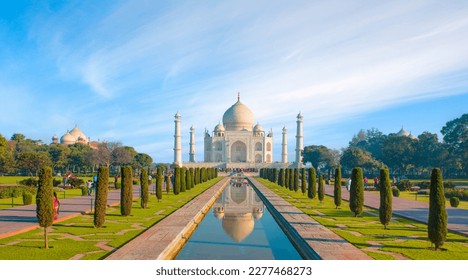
23,218
412,209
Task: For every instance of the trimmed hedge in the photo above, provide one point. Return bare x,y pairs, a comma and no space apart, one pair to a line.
337,188
100,203
144,190
437,223
126,192
356,192
454,201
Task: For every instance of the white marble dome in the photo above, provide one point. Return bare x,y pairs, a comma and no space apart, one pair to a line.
67,139
238,117
219,128
258,128
79,135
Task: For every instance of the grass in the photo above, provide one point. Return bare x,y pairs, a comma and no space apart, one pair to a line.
403,239
77,237
425,198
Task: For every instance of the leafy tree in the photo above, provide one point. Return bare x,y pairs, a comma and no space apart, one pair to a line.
370,141
101,155
143,160
101,196
312,190
353,157
337,188
321,191
59,155
80,155
437,224
159,183
121,156
320,157
44,201
126,192
385,210
6,156
398,152
33,161
356,192
144,188
18,137
303,181
456,138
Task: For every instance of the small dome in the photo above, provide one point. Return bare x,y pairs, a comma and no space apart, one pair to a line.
79,135
67,139
258,128
219,128
403,132
55,137
238,226
238,117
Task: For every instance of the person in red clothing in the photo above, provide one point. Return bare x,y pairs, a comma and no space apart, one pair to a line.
56,206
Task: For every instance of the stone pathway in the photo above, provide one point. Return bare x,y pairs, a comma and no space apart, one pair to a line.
23,218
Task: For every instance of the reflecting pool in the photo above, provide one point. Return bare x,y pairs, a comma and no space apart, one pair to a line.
238,227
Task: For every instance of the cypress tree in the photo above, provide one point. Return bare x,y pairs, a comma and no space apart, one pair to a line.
281,177
356,192
101,196
203,174
385,210
321,192
187,179
303,181
168,183
291,179
45,201
275,175
437,223
144,190
126,192
177,180
337,188
312,190
286,178
183,184
296,179
192,177
159,183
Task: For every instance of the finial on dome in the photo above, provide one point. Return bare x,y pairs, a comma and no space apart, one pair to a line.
238,96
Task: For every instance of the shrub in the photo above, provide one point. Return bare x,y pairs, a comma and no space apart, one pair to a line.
385,209
56,182
84,191
30,182
356,192
117,185
437,223
44,201
395,192
337,188
461,194
454,201
404,185
27,198
126,192
75,182
449,185
100,203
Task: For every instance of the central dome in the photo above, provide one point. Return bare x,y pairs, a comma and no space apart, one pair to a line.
238,117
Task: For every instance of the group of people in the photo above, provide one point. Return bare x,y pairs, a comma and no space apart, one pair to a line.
92,185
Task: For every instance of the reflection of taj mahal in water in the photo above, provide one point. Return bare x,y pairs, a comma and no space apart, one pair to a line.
238,142
238,208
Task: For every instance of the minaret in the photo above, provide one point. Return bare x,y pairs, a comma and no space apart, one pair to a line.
299,141
192,144
284,153
177,141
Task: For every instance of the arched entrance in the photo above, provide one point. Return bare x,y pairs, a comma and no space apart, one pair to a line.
239,152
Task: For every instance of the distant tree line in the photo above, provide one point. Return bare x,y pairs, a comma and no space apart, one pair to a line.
25,156
371,150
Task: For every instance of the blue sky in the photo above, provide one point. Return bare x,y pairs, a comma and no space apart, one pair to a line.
120,70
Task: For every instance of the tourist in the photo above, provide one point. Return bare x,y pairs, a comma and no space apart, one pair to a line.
365,181
348,184
89,184
56,206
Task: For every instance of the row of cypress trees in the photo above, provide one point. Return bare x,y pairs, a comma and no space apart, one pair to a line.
437,218
185,179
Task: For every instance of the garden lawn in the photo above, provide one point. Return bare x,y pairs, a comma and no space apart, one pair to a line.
6,203
425,198
77,238
405,239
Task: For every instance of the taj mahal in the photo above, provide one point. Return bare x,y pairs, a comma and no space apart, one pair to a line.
238,142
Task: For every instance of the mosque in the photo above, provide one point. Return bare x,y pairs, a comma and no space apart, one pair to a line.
238,142
74,136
